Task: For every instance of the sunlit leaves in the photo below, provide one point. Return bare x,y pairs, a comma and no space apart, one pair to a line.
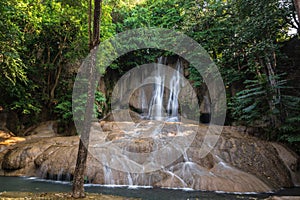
35,38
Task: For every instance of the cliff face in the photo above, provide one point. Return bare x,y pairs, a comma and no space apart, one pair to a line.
136,87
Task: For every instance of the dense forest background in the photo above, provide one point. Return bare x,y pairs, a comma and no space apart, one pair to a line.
255,45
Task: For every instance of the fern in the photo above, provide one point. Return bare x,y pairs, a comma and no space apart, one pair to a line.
251,106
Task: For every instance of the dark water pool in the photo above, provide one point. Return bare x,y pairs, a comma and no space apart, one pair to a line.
26,184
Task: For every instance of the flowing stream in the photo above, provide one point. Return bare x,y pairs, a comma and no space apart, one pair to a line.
24,184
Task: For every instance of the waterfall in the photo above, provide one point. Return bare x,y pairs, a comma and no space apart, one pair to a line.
174,86
155,111
143,100
156,106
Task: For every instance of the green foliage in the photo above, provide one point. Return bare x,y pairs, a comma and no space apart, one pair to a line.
42,43
37,40
289,131
108,28
11,65
153,13
99,104
195,77
64,108
239,35
251,105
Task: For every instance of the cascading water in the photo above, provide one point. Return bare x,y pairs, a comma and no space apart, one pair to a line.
149,152
174,92
143,100
157,109
156,104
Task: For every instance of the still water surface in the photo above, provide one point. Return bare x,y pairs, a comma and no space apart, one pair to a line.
25,184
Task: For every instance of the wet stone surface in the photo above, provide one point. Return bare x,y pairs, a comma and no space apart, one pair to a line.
237,163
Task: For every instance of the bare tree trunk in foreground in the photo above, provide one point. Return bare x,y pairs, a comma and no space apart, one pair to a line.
78,180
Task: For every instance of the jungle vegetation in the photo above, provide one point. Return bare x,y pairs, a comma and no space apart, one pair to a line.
43,42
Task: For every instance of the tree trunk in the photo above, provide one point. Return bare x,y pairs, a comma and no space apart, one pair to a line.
78,181
297,7
275,90
96,28
79,174
90,25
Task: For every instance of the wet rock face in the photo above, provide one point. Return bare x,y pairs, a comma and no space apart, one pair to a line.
238,163
24,158
255,157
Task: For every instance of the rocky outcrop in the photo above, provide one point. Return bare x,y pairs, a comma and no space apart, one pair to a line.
7,139
44,129
238,163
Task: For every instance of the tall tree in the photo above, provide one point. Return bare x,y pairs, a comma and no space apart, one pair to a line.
297,7
94,38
